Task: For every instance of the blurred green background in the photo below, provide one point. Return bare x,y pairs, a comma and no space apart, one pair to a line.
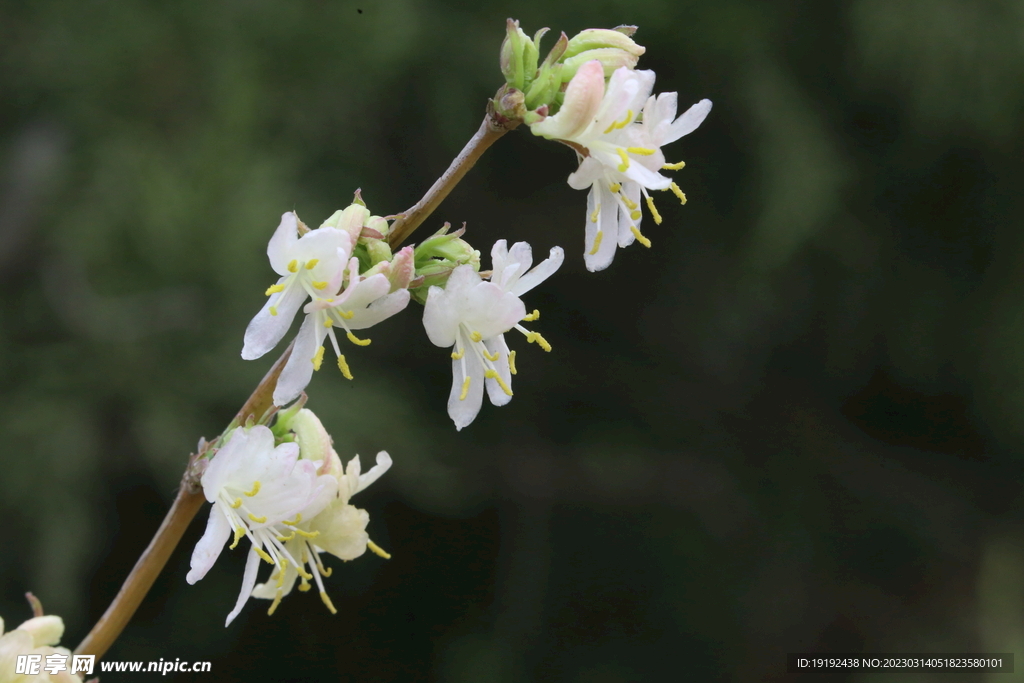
792,425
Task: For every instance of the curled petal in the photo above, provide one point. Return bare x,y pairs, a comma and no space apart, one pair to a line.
252,565
209,547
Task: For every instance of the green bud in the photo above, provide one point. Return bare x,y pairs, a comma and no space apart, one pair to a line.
513,53
600,38
377,250
610,58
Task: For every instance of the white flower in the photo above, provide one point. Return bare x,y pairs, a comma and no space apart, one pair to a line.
472,315
310,265
620,156
364,303
255,488
339,529
37,636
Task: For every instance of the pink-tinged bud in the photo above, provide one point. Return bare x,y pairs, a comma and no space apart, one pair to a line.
582,100
402,269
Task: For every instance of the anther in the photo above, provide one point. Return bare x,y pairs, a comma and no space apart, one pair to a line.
318,358
535,338
311,263
320,284
533,316
624,166
255,489
377,550
677,192
630,204
621,124
635,215
283,539
274,289
237,504
597,242
258,520
239,533
674,167
298,518
490,357
357,341
276,602
465,389
491,374
263,554
304,586
327,601
307,534
512,362
642,151
347,315
639,237
328,323
273,310
475,336
654,210
615,187
293,266
595,214
343,366
459,355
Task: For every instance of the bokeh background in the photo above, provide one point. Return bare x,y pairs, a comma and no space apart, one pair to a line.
794,424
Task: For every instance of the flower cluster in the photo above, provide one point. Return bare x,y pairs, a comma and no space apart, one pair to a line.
618,129
286,491
37,638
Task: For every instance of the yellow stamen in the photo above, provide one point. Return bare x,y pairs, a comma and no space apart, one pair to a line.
677,192
274,289
491,374
276,602
273,310
324,571
237,504
328,323
286,538
347,315
298,518
465,389
642,151
620,124
357,341
280,572
320,284
512,362
318,359
263,554
615,187
343,366
630,204
304,586
533,316
674,167
377,550
327,601
491,358
594,215
635,215
302,570
239,532
534,337
654,210
459,355
475,336
258,520
597,242
311,263
307,534
639,237
255,489
293,266
624,166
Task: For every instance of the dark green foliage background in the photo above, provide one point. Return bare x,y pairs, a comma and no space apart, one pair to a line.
792,425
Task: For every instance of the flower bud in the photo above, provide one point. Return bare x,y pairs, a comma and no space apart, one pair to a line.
600,38
610,58
518,56
44,630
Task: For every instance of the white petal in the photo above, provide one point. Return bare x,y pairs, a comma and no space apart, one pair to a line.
440,318
284,238
382,466
542,272
266,330
494,391
209,547
298,371
252,565
689,121
590,171
464,411
608,225
268,590
499,259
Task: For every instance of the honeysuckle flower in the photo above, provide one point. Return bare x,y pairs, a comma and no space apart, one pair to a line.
338,529
256,488
309,266
363,303
37,636
620,156
471,316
